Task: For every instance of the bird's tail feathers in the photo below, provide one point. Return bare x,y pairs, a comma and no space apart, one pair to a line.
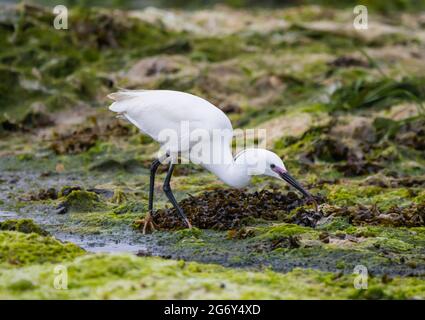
120,97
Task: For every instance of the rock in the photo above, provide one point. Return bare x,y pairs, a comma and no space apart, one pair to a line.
80,201
103,192
61,208
66,190
43,194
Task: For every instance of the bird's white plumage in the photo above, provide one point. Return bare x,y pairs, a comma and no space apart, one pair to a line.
154,111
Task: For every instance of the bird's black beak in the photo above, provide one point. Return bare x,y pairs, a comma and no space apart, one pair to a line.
291,180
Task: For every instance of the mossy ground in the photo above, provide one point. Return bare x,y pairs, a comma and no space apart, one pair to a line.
125,276
344,109
20,249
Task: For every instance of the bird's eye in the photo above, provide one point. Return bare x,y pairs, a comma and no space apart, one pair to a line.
272,166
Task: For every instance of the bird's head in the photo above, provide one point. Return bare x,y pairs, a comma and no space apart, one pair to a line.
265,162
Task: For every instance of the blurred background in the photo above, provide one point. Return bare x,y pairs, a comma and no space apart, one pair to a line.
379,5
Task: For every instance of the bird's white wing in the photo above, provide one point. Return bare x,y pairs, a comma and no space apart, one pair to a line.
158,111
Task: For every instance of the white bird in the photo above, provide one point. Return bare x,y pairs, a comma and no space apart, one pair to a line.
196,123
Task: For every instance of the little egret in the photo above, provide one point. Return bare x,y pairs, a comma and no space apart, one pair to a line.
195,123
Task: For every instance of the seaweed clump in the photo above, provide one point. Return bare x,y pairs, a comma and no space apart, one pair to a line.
84,138
80,201
79,141
22,225
409,216
305,217
289,242
391,182
412,215
21,249
44,194
229,209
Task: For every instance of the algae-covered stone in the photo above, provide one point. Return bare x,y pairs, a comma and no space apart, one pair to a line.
82,201
18,249
66,190
22,225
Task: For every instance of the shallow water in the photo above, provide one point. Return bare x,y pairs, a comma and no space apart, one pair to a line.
5,215
106,246
125,242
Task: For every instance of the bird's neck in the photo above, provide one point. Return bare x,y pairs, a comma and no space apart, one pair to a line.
229,171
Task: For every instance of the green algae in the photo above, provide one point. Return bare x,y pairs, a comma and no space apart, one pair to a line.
412,236
118,197
124,276
130,207
22,225
21,285
20,249
335,224
83,201
392,244
99,222
216,49
281,230
189,233
384,198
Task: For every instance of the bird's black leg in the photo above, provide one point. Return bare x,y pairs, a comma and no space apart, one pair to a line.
148,219
154,167
170,196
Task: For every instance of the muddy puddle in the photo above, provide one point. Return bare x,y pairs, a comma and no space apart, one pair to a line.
109,244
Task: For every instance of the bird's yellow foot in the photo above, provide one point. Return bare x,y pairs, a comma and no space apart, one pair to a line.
149,225
189,225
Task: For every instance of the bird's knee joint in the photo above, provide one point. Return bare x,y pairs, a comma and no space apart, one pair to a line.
154,166
166,187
